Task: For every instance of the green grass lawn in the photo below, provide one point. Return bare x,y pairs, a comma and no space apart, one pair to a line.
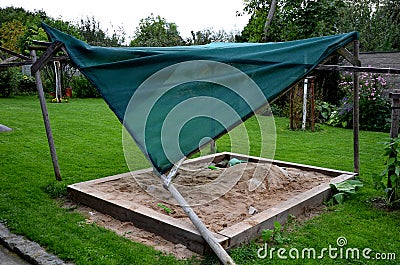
88,141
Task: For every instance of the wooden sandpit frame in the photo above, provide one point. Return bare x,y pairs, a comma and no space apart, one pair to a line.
183,232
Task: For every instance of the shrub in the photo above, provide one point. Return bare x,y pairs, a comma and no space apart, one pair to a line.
389,180
27,84
374,108
8,81
82,88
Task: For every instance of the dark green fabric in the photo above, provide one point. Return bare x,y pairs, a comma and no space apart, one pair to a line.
172,99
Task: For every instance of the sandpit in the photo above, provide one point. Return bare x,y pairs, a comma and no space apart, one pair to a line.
236,203
278,185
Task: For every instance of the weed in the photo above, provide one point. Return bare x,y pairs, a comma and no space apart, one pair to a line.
343,190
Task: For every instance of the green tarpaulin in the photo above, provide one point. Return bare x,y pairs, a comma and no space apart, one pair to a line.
173,100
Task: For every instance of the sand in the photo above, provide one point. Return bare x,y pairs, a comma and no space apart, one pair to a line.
251,188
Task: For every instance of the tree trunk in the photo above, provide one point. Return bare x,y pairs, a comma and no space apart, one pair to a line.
270,16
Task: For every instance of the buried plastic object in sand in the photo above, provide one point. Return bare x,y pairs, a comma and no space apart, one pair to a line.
235,161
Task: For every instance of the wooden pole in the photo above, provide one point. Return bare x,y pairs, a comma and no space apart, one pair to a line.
39,86
394,133
212,147
394,128
205,233
291,114
312,83
356,116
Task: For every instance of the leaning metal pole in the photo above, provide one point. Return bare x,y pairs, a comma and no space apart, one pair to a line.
205,233
39,86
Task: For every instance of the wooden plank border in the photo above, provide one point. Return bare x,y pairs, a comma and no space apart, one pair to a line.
183,232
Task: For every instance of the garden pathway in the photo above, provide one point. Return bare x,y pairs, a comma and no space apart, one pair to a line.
9,258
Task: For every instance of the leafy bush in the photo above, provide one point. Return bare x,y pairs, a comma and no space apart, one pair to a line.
82,88
27,84
8,81
324,110
343,190
375,108
389,179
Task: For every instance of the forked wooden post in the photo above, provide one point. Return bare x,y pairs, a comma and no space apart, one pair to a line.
49,133
356,115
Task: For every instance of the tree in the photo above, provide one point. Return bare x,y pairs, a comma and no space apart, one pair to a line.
209,35
294,19
11,32
270,16
92,33
377,21
156,32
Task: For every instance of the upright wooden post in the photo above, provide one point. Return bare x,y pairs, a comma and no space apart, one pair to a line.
394,133
356,115
394,128
46,120
312,80
291,111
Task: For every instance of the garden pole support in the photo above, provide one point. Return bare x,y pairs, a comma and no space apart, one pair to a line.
312,83
394,133
394,128
356,115
205,233
39,86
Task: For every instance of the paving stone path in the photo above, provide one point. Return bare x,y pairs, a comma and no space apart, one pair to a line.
9,258
30,251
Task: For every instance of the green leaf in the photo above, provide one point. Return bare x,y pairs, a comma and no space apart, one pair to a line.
394,178
277,226
355,183
339,197
267,235
391,161
397,170
387,152
384,172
